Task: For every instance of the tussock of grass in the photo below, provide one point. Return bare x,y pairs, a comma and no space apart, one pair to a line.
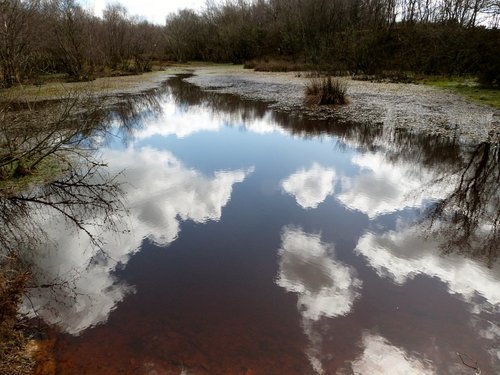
326,90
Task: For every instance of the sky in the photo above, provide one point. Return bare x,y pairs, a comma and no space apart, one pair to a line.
152,10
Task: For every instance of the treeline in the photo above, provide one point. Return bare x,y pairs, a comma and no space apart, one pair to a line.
359,36
60,36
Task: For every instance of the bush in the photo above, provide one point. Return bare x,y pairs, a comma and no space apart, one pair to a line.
326,90
250,64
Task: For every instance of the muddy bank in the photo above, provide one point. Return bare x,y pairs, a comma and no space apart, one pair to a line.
394,105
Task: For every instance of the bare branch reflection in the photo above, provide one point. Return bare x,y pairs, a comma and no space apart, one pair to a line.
460,180
469,216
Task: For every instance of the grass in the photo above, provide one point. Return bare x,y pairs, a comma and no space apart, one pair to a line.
56,87
20,354
12,184
14,355
326,90
467,87
387,76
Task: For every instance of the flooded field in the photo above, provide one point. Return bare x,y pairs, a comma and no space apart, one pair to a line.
233,239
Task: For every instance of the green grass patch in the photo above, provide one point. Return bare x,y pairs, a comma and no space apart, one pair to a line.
11,183
59,88
468,87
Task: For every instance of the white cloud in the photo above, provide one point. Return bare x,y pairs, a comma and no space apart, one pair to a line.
172,121
403,254
307,266
160,192
153,11
324,286
85,292
383,187
380,357
200,118
310,187
490,331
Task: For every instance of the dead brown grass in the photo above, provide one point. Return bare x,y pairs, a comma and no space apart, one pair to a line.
326,90
14,356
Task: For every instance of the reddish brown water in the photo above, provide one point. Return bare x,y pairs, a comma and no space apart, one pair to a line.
262,243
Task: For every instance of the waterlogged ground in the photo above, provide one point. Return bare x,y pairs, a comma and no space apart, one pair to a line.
393,105
260,242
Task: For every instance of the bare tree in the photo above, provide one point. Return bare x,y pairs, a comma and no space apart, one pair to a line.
117,34
469,217
71,28
17,24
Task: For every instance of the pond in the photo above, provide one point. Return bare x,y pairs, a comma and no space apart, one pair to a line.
259,242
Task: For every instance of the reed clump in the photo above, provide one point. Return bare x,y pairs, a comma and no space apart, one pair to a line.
326,91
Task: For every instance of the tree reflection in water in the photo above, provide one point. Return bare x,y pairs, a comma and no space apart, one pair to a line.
469,217
467,213
86,196
72,233
62,230
464,215
85,203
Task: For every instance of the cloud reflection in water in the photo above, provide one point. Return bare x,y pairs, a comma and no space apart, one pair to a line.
200,118
380,357
160,192
405,253
384,187
310,187
325,287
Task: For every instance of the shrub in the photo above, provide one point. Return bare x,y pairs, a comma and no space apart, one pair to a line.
326,90
250,64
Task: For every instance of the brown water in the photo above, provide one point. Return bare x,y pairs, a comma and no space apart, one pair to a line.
258,242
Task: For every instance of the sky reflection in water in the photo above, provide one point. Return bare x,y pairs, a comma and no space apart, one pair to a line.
387,295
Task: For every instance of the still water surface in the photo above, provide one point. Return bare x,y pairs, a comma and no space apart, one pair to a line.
258,242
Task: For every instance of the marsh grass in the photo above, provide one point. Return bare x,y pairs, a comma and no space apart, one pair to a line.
326,91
